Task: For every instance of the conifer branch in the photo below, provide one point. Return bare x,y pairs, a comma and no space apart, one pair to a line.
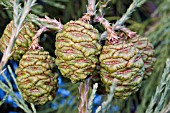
33,108
104,108
130,10
120,23
91,8
4,98
35,44
51,24
90,103
8,89
91,11
18,16
7,4
83,91
112,36
166,109
161,90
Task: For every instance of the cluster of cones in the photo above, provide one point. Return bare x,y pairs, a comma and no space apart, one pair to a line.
80,55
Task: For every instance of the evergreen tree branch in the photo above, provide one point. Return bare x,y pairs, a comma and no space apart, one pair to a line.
91,8
7,4
18,16
111,35
90,103
91,11
130,10
104,108
8,89
120,23
4,98
161,102
33,108
161,90
35,44
13,77
51,24
166,109
83,91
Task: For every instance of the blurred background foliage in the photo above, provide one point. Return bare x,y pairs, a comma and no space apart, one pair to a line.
152,20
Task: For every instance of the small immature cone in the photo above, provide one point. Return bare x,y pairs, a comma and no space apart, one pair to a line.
76,51
36,76
23,41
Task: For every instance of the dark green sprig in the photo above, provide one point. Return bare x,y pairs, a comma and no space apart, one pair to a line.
161,91
54,3
90,103
8,89
130,10
51,24
103,6
104,108
19,16
7,4
166,109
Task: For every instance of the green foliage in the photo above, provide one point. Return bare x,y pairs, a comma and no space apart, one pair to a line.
161,91
152,24
157,30
8,89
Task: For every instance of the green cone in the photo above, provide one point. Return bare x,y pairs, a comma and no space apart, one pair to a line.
121,63
23,40
36,77
77,48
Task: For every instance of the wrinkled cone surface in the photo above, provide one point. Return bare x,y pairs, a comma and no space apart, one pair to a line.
121,63
77,48
23,40
36,77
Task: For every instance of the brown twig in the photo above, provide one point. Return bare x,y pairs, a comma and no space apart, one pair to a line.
52,24
18,20
83,91
35,44
129,33
112,36
91,11
119,24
